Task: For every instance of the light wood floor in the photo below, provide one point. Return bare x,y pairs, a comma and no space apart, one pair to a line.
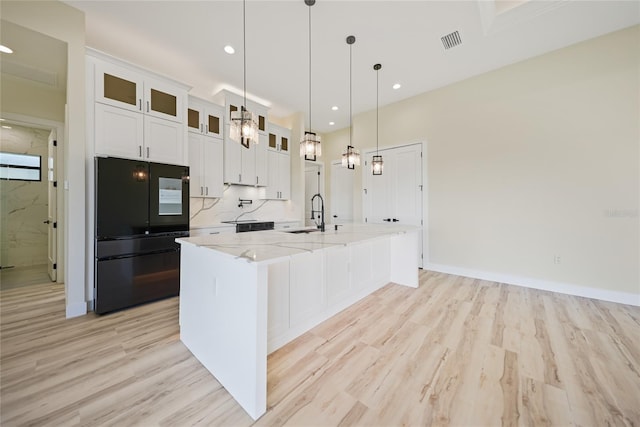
456,351
15,277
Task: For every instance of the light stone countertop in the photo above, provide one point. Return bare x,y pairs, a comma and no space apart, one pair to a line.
267,246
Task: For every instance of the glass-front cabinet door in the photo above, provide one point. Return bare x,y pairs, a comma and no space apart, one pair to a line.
119,87
163,101
284,144
213,120
194,124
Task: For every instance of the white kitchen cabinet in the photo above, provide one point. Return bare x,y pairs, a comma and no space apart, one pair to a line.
278,299
279,176
338,278
214,229
244,166
205,166
118,132
137,114
262,177
204,124
205,118
278,163
308,297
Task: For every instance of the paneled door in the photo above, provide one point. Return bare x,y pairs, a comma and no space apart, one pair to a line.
395,197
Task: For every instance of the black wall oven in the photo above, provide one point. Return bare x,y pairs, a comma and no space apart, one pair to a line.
141,208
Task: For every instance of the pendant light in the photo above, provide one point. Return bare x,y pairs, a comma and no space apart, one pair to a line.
310,143
351,156
244,124
376,163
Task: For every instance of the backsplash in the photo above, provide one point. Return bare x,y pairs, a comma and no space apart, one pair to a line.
205,212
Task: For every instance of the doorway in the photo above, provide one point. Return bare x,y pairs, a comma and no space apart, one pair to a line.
28,200
313,184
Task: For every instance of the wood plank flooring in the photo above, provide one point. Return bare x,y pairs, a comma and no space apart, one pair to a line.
455,351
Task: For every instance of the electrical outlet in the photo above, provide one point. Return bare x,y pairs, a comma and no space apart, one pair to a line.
556,259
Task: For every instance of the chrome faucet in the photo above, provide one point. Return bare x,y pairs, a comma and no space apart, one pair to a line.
313,213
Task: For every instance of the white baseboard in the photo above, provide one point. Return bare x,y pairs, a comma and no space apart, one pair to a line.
76,309
544,285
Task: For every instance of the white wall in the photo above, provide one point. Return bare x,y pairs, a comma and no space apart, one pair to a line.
65,23
536,160
23,235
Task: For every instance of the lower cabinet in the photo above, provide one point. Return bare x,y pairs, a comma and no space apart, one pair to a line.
337,274
308,294
310,287
278,299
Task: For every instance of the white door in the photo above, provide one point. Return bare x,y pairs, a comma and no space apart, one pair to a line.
396,195
341,194
52,206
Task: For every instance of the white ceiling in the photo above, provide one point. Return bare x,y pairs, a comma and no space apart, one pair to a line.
185,40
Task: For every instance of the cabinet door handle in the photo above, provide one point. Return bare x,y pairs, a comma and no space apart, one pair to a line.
206,191
206,129
147,106
147,152
395,220
140,150
140,104
201,191
200,127
257,179
387,219
239,177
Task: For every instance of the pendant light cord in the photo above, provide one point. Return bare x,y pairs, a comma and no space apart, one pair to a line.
377,107
310,130
244,54
350,97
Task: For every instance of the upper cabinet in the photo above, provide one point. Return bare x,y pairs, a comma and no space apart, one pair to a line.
278,164
245,166
136,113
205,118
124,88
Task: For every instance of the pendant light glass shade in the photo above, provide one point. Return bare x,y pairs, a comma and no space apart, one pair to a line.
244,127
376,163
310,146
310,143
244,124
351,156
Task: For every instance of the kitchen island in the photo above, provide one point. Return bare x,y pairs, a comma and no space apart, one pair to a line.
245,295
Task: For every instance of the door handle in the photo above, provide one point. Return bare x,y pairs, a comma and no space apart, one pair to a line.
335,216
46,222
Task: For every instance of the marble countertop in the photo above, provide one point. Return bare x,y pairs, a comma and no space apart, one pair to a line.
262,246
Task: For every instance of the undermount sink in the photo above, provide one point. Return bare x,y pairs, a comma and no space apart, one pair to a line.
305,231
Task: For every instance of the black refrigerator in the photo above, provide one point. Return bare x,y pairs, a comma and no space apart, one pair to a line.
141,208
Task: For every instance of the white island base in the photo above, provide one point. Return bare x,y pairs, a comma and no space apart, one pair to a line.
245,295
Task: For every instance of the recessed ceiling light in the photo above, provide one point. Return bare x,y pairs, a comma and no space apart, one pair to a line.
5,49
334,108
332,123
229,49
397,86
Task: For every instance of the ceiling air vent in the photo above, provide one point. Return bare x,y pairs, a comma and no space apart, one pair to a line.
451,40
